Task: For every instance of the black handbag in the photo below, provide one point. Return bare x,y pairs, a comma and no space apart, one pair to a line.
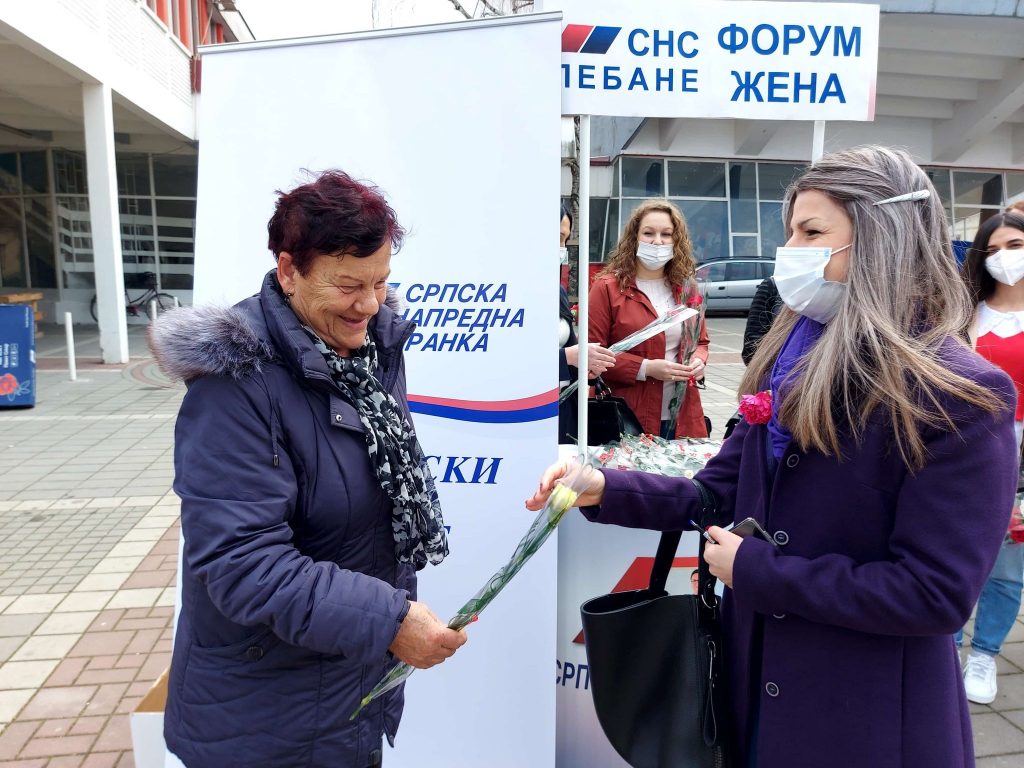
609,417
656,667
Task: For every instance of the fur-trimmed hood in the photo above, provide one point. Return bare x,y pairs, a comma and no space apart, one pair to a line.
190,342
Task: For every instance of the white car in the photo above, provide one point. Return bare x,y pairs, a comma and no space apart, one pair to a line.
730,283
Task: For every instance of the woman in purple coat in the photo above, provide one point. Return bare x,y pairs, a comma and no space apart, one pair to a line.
884,476
306,503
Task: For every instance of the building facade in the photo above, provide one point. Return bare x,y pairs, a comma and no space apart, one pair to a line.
950,90
98,150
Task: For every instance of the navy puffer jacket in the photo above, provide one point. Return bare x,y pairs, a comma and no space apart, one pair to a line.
291,591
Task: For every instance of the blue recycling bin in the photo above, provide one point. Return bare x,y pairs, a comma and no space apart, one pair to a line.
17,356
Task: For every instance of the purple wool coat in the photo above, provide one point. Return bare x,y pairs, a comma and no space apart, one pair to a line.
839,643
291,592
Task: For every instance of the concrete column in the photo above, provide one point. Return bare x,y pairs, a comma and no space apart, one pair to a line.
105,222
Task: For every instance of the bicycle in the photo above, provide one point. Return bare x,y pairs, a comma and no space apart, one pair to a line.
141,304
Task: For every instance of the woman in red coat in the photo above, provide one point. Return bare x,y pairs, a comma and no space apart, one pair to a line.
651,271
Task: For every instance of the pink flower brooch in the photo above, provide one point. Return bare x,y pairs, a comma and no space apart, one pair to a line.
756,409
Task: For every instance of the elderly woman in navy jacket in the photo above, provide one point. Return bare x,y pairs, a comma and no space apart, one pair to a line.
839,631
306,503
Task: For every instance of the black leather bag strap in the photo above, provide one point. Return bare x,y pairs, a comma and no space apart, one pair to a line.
669,543
663,560
706,588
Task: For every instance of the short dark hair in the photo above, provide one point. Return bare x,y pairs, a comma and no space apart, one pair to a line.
333,214
979,282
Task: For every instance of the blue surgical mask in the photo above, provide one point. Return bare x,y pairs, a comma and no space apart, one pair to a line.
800,279
563,255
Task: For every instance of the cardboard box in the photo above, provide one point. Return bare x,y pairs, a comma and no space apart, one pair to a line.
147,724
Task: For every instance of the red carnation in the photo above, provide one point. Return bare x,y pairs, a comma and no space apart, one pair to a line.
756,409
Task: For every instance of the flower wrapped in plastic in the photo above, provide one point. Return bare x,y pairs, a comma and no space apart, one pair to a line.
695,299
648,453
561,500
674,316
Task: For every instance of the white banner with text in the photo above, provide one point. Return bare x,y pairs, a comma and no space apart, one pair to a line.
459,126
701,59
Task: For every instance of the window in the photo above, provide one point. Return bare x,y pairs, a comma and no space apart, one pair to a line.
74,241
708,222
26,228
689,179
767,269
744,246
974,188
642,177
12,252
174,175
732,209
743,270
773,233
774,178
133,174
1014,187
176,241
712,272
743,198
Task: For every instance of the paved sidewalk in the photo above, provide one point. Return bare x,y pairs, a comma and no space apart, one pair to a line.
88,554
88,543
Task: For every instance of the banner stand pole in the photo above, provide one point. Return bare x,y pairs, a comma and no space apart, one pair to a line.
818,142
583,283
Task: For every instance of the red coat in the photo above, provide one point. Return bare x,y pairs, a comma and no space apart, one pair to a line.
614,314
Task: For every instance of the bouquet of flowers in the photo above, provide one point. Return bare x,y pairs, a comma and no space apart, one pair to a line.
561,500
648,453
695,299
674,316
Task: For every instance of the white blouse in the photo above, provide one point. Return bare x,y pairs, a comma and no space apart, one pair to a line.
659,292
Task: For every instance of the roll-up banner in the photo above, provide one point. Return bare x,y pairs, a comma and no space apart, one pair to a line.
700,59
459,125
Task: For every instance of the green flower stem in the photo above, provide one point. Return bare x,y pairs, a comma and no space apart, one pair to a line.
561,500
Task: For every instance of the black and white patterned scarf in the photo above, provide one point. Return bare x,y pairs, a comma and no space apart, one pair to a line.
395,453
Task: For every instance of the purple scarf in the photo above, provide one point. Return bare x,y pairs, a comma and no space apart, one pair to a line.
805,334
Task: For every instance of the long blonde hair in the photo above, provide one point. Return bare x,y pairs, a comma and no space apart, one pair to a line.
904,300
623,260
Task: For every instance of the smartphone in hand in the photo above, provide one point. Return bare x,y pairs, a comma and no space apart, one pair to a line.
750,527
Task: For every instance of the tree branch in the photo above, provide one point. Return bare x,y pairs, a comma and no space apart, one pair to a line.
491,8
460,9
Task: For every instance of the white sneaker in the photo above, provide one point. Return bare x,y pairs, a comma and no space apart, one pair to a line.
980,678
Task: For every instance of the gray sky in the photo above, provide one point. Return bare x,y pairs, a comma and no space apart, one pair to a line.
273,19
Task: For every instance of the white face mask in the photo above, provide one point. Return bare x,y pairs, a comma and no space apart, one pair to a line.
654,256
1006,266
800,278
563,255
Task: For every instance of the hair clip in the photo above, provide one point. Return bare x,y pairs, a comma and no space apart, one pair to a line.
921,194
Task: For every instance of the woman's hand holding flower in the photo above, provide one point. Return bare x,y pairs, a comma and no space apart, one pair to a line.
694,369
599,359
590,496
721,555
422,640
663,370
